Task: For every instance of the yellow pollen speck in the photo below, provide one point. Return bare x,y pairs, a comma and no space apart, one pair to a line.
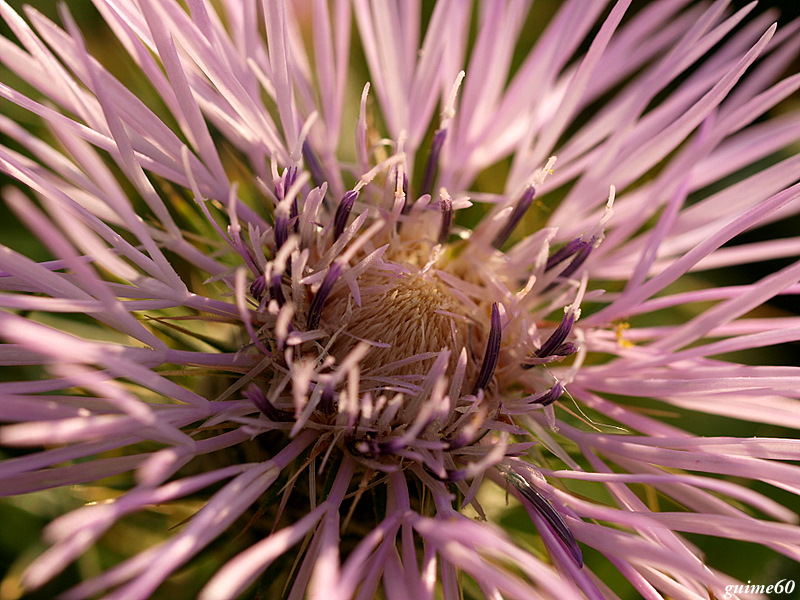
620,328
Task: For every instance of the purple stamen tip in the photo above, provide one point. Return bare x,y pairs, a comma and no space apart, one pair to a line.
454,475
315,311
313,165
343,212
433,161
516,216
281,231
258,287
547,397
492,353
581,251
565,349
294,211
267,408
552,345
446,204
579,259
276,290
542,506
565,252
445,475
291,175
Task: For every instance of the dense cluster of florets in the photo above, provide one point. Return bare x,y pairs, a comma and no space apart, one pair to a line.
380,330
336,351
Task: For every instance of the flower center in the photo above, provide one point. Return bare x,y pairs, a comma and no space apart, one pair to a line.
407,317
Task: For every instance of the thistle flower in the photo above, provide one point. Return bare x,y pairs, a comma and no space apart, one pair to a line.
329,312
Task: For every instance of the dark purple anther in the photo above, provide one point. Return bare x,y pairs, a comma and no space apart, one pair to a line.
450,476
446,204
433,161
258,287
276,290
492,353
516,216
267,408
557,338
294,211
542,506
579,259
565,349
313,166
547,397
343,212
281,231
578,248
288,180
315,312
565,252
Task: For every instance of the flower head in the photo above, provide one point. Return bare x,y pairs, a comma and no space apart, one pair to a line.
311,302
